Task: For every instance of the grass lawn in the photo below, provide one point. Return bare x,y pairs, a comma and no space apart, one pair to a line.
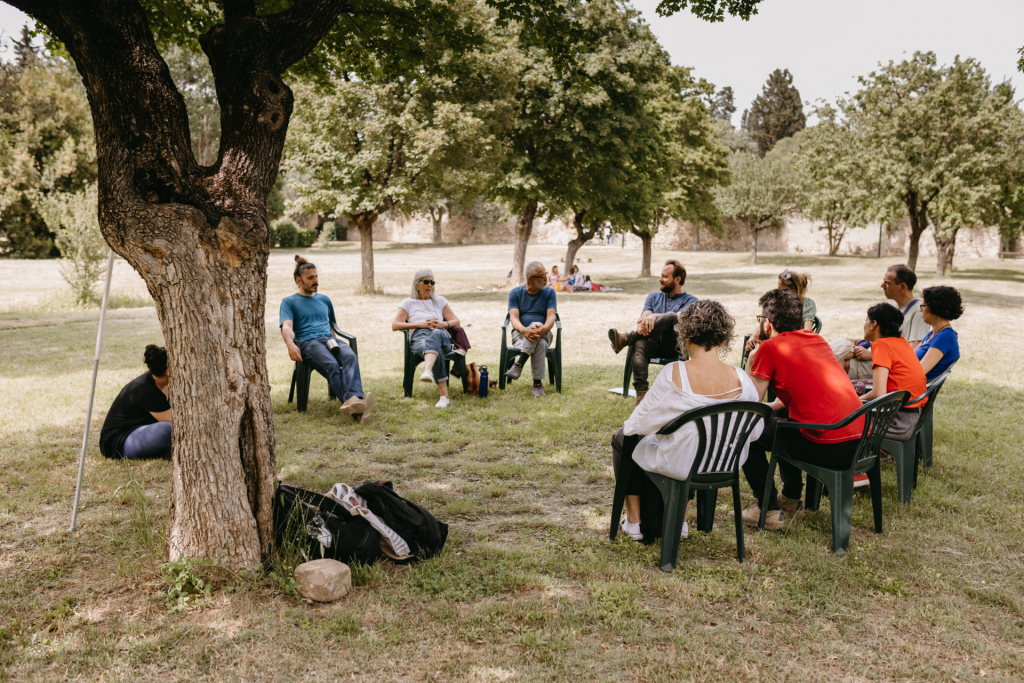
528,587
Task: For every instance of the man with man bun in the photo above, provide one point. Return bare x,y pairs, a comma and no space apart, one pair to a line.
306,319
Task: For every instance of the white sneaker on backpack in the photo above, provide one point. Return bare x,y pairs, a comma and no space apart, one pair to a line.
442,403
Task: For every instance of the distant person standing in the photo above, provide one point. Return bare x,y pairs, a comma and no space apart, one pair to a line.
655,335
138,424
531,312
306,318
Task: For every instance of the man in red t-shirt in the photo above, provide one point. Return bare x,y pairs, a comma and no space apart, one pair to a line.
811,386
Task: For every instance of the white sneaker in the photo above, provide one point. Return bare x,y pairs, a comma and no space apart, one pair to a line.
631,530
443,403
427,376
685,533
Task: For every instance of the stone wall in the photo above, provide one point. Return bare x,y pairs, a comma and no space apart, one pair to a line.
490,225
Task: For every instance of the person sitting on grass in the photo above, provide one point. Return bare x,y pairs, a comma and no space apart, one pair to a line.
305,320
705,330
431,317
138,424
940,348
531,311
655,335
795,282
894,367
898,286
811,387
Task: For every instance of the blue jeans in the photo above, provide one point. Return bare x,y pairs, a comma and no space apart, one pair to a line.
149,441
340,368
433,341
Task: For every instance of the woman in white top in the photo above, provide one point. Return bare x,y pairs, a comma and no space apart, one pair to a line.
431,317
706,330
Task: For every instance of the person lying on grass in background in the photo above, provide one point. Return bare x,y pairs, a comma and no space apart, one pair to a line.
705,330
138,424
898,286
894,367
811,387
941,347
795,282
655,335
531,311
432,319
305,320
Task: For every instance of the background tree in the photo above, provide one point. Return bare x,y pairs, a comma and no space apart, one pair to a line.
687,163
831,177
778,112
721,106
198,234
72,218
928,129
46,145
760,195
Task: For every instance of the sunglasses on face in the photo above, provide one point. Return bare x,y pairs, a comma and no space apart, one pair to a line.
428,282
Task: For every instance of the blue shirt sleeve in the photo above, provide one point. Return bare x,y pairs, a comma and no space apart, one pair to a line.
513,299
550,300
946,342
330,311
649,302
286,312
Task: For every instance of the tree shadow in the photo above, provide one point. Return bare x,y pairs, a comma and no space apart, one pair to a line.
998,274
1007,301
801,261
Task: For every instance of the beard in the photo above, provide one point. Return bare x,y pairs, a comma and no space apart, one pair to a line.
762,334
669,287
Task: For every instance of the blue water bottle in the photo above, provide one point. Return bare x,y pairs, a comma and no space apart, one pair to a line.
483,381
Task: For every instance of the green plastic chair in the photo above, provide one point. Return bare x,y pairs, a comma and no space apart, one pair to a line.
554,356
878,417
302,373
908,452
928,427
716,466
746,338
412,360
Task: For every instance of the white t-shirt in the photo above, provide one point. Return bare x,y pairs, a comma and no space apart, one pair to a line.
422,310
673,454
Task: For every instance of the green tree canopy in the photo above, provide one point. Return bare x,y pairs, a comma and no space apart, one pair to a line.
778,112
761,194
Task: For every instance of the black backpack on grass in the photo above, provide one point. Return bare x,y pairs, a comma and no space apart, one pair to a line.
322,528
420,529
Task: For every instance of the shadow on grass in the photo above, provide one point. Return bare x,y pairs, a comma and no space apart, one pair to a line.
1003,301
1000,274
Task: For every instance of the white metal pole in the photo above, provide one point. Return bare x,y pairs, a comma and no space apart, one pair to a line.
92,388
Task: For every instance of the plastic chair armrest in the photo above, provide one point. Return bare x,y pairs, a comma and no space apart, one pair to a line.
790,424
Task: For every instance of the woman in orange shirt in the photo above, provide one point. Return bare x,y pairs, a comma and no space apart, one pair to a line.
894,366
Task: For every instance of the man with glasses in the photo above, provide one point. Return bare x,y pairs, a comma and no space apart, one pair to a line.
531,310
655,335
898,287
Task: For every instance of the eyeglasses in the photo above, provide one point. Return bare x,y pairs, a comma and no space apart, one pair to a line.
760,318
538,277
428,282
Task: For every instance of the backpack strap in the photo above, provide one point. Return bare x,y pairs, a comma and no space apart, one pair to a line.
912,302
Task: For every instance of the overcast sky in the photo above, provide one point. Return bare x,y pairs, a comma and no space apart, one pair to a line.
825,44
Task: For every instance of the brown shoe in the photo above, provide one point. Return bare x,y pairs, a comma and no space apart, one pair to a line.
353,406
752,517
793,507
364,417
617,339
640,393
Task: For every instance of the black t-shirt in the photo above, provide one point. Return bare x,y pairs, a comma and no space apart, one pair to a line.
131,410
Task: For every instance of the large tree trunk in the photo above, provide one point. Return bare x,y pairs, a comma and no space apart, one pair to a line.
364,222
524,226
918,212
645,262
436,214
583,235
945,245
753,245
198,236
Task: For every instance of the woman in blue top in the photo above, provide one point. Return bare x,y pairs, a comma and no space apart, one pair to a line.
940,348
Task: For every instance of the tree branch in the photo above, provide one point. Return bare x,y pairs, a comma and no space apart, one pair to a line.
296,31
238,9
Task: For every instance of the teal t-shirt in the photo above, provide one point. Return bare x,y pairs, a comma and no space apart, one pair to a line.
533,308
311,316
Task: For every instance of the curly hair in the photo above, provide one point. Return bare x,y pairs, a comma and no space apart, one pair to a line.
944,302
156,360
889,319
784,308
706,324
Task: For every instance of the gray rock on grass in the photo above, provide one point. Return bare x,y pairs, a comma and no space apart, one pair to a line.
323,580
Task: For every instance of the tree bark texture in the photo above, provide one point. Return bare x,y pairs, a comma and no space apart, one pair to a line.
524,226
364,222
645,263
198,236
436,214
918,212
944,248
583,235
753,244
